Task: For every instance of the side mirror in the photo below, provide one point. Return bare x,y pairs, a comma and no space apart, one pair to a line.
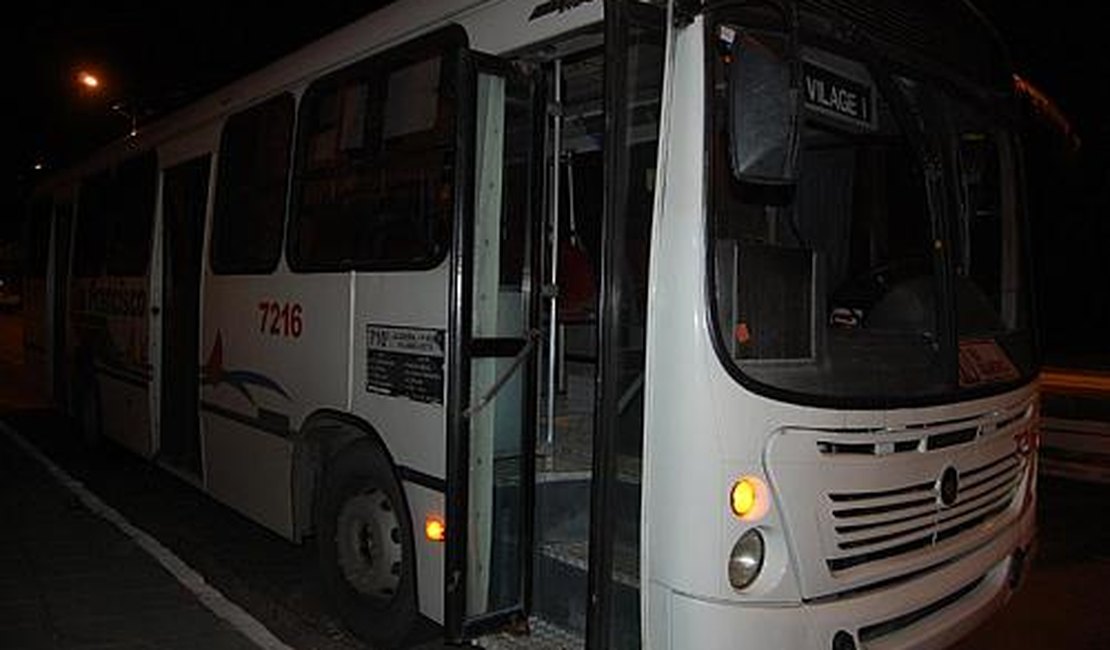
763,109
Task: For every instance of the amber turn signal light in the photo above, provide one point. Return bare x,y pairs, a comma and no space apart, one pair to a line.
435,529
748,498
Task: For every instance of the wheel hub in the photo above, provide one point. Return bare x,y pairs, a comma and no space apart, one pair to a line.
368,543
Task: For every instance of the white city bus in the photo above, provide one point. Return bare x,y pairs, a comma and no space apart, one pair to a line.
613,324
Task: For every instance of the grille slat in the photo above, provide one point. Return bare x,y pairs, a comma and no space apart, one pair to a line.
1005,470
889,537
884,523
970,495
985,505
984,468
951,438
864,511
879,494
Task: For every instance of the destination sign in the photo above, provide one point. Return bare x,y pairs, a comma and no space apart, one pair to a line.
839,97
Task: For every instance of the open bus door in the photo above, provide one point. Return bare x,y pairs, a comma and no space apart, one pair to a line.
561,547
494,322
184,198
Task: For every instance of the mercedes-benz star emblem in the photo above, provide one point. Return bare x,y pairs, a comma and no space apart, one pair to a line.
948,487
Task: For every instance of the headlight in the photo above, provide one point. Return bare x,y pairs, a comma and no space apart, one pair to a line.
746,560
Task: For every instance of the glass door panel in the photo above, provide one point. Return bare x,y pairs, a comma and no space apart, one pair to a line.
498,416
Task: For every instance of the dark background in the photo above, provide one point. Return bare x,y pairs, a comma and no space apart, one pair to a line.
155,58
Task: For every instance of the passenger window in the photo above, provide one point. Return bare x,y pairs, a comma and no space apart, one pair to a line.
375,164
132,216
115,219
93,206
251,188
38,238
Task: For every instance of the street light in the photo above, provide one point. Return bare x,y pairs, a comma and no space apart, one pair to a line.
88,80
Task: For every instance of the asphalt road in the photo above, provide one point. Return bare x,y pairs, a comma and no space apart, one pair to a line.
1061,605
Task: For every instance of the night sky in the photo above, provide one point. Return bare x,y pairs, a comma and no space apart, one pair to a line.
154,58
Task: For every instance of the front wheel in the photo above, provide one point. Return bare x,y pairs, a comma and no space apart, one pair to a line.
366,546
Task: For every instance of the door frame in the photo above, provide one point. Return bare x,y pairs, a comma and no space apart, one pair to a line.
621,18
205,162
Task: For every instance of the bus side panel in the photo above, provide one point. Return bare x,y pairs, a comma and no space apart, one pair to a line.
425,501
112,328
274,349
248,469
398,385
126,415
36,300
399,366
35,328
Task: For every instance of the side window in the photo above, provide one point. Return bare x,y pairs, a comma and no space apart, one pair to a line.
132,216
115,217
93,207
38,238
375,164
251,187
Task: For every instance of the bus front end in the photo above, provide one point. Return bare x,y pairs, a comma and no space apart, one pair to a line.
842,407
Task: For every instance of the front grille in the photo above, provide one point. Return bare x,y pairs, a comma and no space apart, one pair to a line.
884,497
874,525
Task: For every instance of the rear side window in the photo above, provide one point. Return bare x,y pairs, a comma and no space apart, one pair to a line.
93,208
132,218
115,217
251,188
375,163
38,238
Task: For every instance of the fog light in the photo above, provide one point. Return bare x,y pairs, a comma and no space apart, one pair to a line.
746,560
843,641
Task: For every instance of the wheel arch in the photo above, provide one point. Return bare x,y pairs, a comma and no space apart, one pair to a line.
324,434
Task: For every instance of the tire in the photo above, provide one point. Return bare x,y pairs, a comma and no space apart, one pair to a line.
365,545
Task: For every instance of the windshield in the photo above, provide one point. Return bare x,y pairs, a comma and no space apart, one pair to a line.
869,279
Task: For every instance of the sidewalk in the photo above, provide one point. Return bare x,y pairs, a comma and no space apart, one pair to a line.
71,579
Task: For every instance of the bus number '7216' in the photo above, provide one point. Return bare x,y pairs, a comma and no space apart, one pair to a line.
280,318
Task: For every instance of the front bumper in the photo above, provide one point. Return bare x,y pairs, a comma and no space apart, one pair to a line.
929,611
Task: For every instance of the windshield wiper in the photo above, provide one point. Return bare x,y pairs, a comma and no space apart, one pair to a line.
912,123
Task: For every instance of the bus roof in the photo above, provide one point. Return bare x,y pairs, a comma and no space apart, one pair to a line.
493,26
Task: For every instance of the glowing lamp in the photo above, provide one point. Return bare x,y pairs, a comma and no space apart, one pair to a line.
748,498
435,529
88,80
